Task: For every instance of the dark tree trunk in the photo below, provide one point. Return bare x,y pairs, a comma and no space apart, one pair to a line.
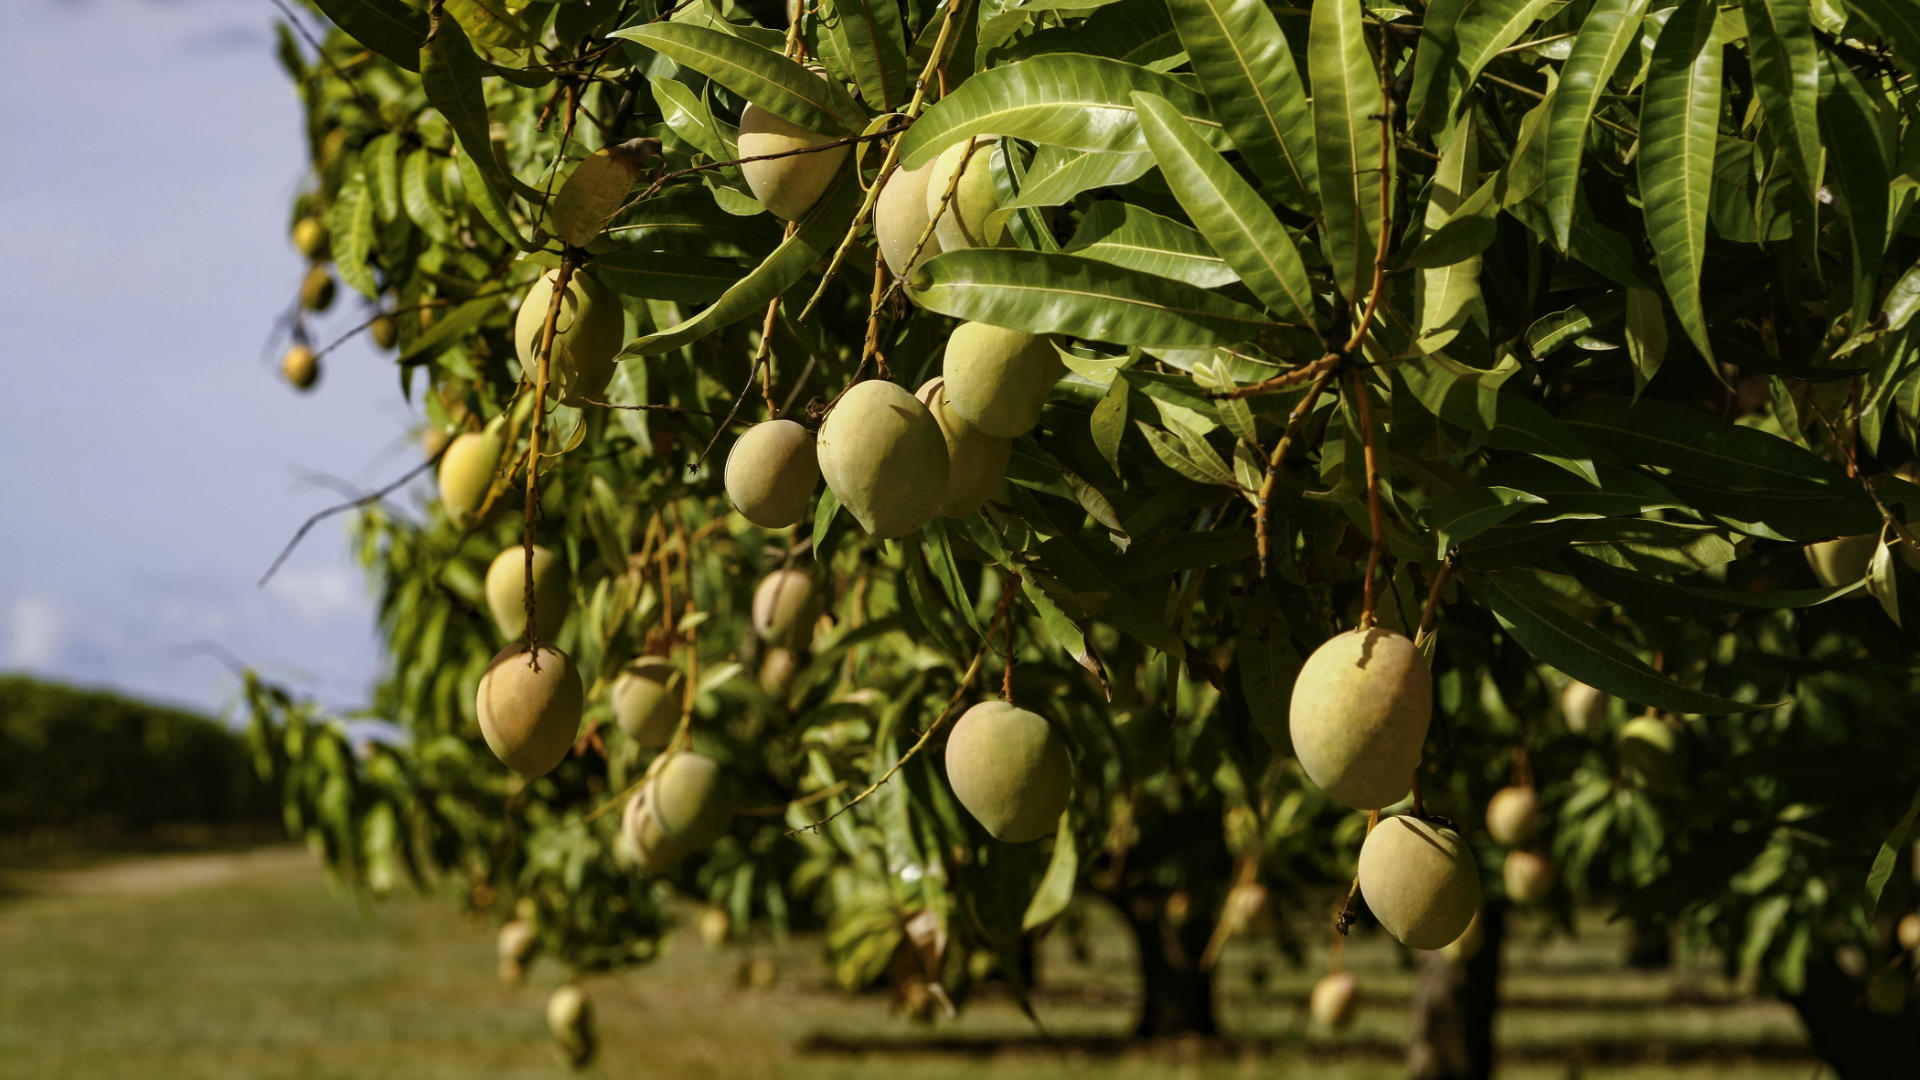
1451,1034
1649,946
1176,995
1858,1043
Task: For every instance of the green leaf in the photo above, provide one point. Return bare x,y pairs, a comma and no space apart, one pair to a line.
662,275
1861,177
417,197
762,76
1064,631
1903,300
1056,885
1178,454
1247,71
1057,174
1137,31
1347,105
876,51
1646,335
1609,31
1786,79
1127,235
691,119
1889,854
1448,294
1675,599
1051,293
1462,45
450,75
1702,447
391,29
1549,332
1679,125
816,235
1229,213
1881,583
381,159
1093,576
1555,637
1073,101
1109,422
1899,22
452,326
1459,516
946,570
350,225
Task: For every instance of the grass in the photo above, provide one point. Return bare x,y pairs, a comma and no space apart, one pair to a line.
247,964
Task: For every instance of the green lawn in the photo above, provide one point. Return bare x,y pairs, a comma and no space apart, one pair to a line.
250,965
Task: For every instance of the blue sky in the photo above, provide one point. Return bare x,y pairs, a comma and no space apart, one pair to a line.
153,458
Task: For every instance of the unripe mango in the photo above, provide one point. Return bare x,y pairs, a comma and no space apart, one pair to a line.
1529,876
1652,754
883,456
684,808
384,330
515,941
714,926
1467,945
998,379
529,718
587,335
466,472
301,367
1513,816
507,592
777,668
316,289
963,223
772,472
1359,716
1419,879
900,217
1843,561
1333,999
1010,770
976,461
570,1019
309,235
646,701
1908,932
788,186
784,608
1583,708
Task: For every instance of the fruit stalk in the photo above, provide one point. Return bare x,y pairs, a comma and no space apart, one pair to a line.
1378,541
533,446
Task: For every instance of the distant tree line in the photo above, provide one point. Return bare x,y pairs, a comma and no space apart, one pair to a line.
98,764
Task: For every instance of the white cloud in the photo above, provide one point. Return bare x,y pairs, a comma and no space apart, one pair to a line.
34,631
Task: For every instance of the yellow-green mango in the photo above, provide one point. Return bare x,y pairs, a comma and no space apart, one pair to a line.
900,218
784,606
570,1019
1583,708
384,330
309,235
882,454
998,379
301,367
1529,876
1513,816
1010,770
965,222
976,461
529,717
1843,561
646,701
1419,880
1359,716
772,472
316,289
1652,754
507,592
788,186
684,808
1333,999
466,472
587,335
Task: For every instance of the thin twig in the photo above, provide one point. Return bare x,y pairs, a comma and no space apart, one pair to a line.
562,278
1286,380
1376,532
352,504
1276,464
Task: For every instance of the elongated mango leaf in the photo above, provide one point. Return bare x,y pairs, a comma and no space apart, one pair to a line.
1888,856
1702,447
1064,631
1459,516
1088,573
1137,31
1050,293
1786,78
416,195
1056,885
350,221
1247,71
1228,212
1447,293
393,30
1348,142
1554,636
819,231
1484,27
1610,29
664,275
762,76
1127,235
1057,174
1678,600
1679,125
1861,175
1069,100
450,75
876,51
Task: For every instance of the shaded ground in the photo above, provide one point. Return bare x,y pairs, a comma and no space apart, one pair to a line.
248,964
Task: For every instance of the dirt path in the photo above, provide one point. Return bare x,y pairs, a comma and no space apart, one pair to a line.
140,875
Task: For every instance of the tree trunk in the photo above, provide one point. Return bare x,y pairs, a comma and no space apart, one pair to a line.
1451,1034
1858,1043
1176,995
